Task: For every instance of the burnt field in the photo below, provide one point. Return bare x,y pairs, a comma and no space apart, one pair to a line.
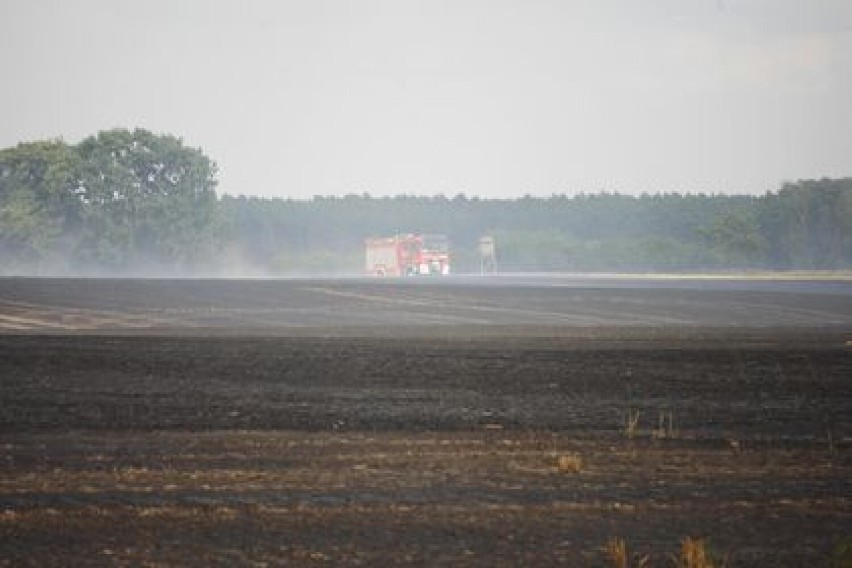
467,422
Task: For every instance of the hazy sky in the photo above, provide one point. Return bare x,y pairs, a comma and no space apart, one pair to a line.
488,97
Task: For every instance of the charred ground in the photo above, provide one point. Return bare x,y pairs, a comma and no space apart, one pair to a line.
132,435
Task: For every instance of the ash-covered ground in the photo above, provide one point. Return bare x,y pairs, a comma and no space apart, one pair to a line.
357,422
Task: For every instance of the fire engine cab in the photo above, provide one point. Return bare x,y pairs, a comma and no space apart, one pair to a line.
408,255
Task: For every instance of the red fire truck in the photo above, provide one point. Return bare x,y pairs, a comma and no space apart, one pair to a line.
408,255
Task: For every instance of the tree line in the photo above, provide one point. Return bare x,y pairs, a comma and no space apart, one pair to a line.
134,203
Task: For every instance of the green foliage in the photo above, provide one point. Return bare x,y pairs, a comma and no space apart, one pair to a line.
148,200
126,201
115,201
36,200
811,223
734,239
602,232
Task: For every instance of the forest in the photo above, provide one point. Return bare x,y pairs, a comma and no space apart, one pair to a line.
134,203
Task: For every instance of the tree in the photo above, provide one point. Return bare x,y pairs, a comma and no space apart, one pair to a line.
148,199
116,201
38,205
735,239
809,224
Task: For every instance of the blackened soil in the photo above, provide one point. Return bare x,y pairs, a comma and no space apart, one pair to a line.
785,391
423,450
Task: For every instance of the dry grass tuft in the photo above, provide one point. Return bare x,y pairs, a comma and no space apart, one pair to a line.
631,423
569,463
693,554
616,551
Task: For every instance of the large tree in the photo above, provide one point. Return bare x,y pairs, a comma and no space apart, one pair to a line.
117,201
147,199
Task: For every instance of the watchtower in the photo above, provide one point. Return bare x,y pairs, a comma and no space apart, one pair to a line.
487,255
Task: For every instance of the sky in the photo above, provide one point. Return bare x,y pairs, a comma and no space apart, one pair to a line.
491,98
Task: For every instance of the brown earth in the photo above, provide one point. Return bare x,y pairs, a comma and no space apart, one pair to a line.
475,444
